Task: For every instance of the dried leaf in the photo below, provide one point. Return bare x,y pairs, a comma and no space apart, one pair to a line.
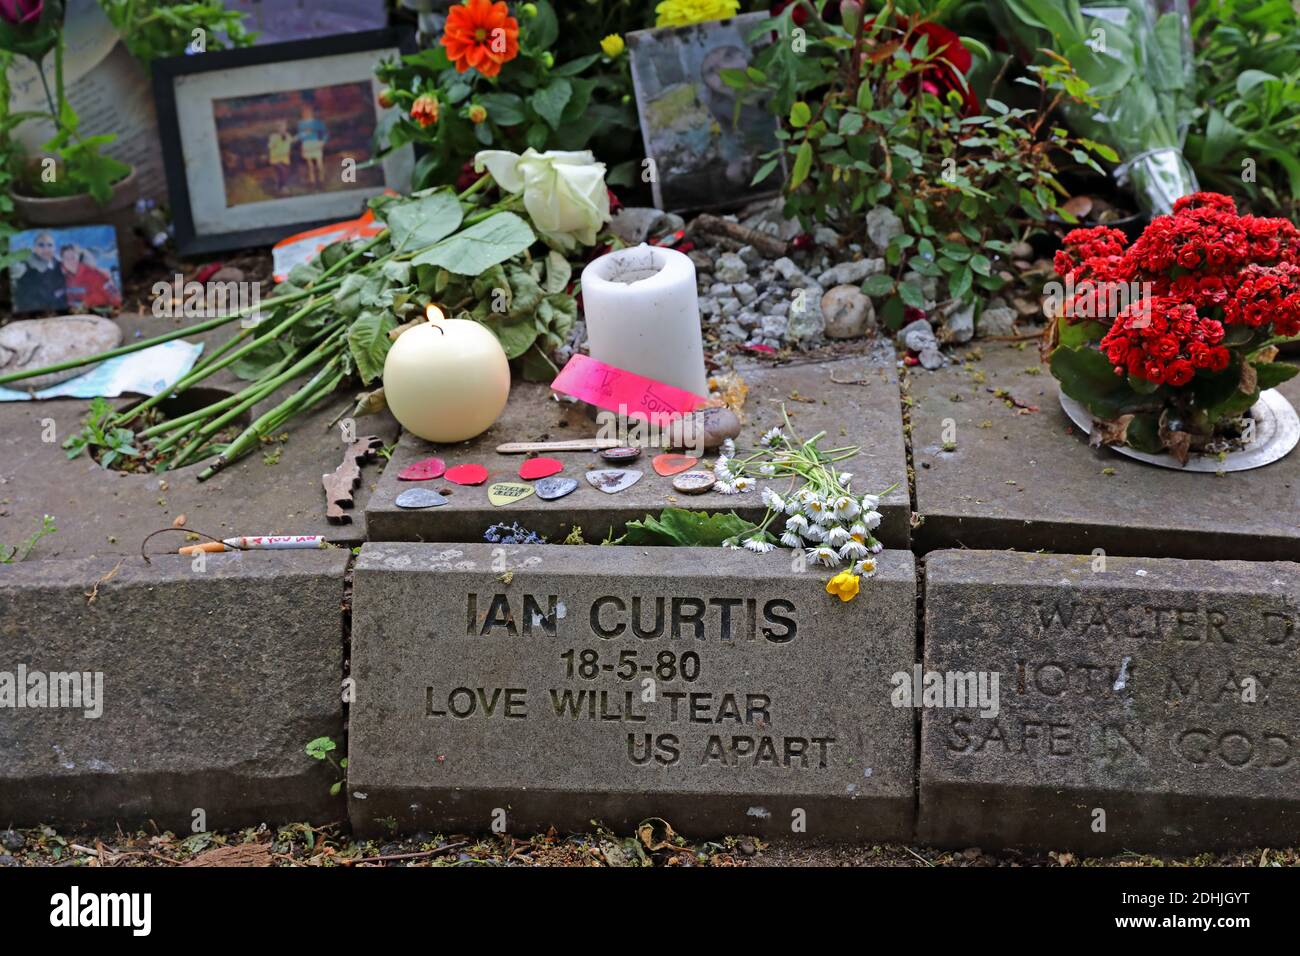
1109,431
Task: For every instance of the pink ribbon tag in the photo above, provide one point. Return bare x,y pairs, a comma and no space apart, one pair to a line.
618,390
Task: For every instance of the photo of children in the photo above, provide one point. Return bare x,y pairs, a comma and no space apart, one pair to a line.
296,142
65,270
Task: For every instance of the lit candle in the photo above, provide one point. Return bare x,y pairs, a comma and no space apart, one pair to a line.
446,380
643,315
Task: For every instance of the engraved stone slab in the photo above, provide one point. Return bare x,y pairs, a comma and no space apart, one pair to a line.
1157,698
197,689
720,690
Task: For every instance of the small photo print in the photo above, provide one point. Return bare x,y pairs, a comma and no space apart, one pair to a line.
293,143
72,269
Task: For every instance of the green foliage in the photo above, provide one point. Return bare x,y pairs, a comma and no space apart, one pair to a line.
858,132
159,28
682,528
12,554
543,98
1246,136
100,437
322,748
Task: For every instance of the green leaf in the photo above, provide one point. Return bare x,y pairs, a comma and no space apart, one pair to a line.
802,166
574,67
504,109
550,101
515,337
369,343
319,747
764,171
879,284
679,527
1087,375
423,220
911,294
481,246
800,114
558,272
1273,374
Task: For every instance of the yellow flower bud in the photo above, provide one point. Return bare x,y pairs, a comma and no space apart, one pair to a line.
613,45
844,586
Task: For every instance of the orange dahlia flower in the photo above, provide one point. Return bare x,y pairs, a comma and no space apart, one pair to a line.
481,35
425,110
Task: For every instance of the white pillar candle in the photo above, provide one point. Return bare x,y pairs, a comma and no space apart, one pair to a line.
643,315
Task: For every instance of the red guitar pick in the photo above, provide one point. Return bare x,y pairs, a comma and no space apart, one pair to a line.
467,474
424,470
540,468
669,464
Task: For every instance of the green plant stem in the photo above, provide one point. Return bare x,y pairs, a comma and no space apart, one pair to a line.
323,382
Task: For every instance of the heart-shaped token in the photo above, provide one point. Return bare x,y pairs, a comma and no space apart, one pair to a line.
613,480
548,489
424,470
535,468
467,474
621,454
420,498
505,492
670,464
694,482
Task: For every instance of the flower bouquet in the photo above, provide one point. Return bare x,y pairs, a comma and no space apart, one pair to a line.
1136,56
824,522
1169,341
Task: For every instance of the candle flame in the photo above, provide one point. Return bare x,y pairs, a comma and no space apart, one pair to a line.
433,313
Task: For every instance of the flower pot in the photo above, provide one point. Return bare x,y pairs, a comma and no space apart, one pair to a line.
1277,432
82,210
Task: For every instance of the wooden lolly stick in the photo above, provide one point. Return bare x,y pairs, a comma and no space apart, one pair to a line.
582,444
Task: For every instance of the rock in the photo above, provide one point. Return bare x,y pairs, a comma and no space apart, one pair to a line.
794,276
219,710
929,287
7,860
750,255
12,840
227,274
1156,695
713,425
776,306
825,236
749,320
958,322
997,321
815,733
883,226
703,261
775,326
729,306
917,336
36,343
632,224
731,268
720,288
806,319
931,358
708,306
745,293
848,313
732,332
851,273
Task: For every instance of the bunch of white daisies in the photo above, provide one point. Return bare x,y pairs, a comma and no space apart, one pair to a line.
822,516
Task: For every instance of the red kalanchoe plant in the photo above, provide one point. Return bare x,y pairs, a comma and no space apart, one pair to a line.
1169,340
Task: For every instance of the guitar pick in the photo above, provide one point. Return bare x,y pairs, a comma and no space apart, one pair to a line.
540,468
548,489
423,470
467,474
420,498
505,492
694,482
621,454
613,480
671,464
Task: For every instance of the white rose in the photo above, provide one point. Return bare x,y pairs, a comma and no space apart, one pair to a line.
564,192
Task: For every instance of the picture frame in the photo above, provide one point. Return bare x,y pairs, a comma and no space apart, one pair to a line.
704,158
263,142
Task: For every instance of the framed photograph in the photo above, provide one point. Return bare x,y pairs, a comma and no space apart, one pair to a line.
266,141
65,269
703,157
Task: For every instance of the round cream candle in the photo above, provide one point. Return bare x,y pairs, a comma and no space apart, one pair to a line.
446,380
643,315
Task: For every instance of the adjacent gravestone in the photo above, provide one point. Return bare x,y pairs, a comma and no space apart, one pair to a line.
133,693
519,688
999,465
1144,703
